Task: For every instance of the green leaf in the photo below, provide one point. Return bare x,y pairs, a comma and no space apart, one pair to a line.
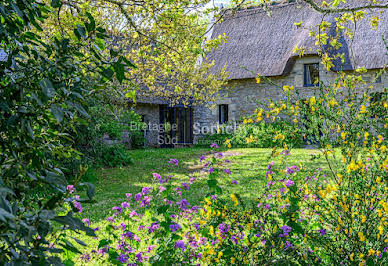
57,112
92,25
74,223
47,88
119,69
80,31
90,189
103,243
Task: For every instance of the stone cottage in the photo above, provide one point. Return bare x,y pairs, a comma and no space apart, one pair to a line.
264,45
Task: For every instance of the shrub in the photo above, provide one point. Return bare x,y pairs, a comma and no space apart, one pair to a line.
111,120
256,135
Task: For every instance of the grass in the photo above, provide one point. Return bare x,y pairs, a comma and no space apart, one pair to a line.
248,167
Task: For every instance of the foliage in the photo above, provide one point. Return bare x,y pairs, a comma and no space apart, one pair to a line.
305,216
258,134
166,40
43,86
113,121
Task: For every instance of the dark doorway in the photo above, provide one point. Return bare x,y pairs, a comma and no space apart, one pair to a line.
177,126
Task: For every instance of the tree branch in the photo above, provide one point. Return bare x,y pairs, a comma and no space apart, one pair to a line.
344,9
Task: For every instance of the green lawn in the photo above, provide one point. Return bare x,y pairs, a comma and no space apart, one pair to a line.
248,167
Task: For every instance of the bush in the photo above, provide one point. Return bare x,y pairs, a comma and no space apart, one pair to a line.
256,135
332,215
111,120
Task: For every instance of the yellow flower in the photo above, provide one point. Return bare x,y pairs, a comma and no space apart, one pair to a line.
312,100
258,80
232,260
343,135
363,218
352,257
361,236
250,139
363,109
234,199
371,252
220,254
288,88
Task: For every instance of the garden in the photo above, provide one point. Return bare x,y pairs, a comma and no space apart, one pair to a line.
74,191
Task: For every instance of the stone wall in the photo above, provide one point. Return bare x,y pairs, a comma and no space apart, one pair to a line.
150,113
242,96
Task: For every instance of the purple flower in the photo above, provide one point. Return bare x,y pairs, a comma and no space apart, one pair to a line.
322,232
224,228
180,244
86,221
183,204
178,190
286,230
132,213
211,170
214,145
206,164
141,227
227,161
202,158
129,235
234,182
145,202
150,248
267,206
289,183
186,186
197,226
128,195
139,257
70,188
118,209
288,245
123,226
161,189
227,171
270,165
157,176
175,227
78,206
122,258
153,227
85,257
110,219
174,161
214,197
220,155
146,190
138,196
292,169
124,205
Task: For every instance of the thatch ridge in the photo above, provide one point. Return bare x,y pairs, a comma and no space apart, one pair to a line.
259,44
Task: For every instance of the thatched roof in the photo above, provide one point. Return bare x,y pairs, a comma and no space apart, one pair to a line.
262,44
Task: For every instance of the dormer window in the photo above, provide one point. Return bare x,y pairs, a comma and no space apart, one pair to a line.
311,75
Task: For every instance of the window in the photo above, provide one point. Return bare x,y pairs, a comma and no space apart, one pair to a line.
223,113
378,79
311,75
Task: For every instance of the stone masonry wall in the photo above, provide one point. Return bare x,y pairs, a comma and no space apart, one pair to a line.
150,113
242,96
